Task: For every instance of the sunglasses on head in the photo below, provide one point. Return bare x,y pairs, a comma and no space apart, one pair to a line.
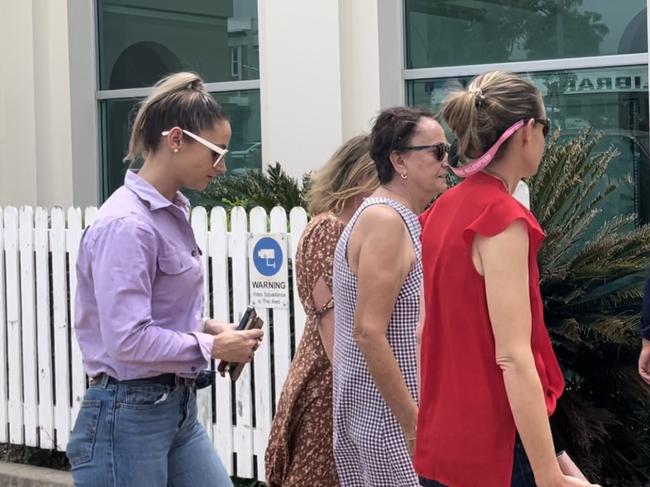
439,150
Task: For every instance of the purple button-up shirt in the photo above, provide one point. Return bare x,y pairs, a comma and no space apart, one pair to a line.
139,287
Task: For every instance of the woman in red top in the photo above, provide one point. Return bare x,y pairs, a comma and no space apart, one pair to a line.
489,375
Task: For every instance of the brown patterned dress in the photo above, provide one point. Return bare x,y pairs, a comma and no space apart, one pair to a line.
299,452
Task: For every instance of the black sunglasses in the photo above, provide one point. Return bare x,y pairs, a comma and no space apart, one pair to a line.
439,150
546,122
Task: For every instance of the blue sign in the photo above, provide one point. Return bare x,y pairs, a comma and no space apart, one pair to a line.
267,256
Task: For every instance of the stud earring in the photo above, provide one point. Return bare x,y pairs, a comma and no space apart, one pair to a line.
175,150
403,175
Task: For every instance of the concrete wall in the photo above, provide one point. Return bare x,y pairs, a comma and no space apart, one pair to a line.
323,79
371,61
39,73
300,81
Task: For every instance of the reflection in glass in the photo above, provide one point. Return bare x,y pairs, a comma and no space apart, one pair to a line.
611,100
242,108
460,32
140,41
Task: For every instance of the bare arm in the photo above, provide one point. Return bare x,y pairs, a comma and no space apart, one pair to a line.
644,361
418,334
321,294
384,257
503,260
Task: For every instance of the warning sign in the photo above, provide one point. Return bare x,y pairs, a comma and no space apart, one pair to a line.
269,277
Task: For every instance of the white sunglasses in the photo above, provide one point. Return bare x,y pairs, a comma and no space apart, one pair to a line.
219,150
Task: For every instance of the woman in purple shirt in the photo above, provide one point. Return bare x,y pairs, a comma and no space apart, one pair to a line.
139,305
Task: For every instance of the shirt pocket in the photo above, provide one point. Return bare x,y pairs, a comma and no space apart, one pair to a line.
175,262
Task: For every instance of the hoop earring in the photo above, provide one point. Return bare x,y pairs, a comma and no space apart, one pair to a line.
403,175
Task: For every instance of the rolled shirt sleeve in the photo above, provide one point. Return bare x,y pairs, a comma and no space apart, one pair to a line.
124,267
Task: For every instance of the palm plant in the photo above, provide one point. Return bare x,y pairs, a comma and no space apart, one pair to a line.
592,284
269,188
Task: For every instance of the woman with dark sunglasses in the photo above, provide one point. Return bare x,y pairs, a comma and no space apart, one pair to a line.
377,290
489,376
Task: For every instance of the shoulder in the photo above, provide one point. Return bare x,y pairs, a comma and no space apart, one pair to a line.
503,212
324,223
381,227
123,229
321,234
380,217
323,226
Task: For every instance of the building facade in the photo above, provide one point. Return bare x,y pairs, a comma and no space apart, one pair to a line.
297,78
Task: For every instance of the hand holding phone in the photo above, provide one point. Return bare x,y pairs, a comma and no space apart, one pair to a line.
249,321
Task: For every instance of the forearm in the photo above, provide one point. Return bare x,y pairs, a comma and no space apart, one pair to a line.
526,399
385,371
214,327
159,348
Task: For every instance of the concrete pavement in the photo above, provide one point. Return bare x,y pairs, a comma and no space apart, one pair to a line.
18,475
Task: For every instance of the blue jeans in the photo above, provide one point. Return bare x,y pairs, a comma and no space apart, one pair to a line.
522,473
142,434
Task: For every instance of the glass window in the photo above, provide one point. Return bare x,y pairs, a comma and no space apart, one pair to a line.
242,107
461,32
142,40
612,100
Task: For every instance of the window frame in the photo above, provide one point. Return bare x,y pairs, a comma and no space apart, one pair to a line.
143,92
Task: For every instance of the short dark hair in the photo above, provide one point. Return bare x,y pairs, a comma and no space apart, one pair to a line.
391,132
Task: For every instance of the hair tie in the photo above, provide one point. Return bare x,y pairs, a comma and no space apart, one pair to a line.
479,97
193,85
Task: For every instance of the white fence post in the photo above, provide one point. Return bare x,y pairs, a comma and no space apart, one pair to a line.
60,313
14,351
44,330
28,322
281,325
262,366
219,250
4,419
243,431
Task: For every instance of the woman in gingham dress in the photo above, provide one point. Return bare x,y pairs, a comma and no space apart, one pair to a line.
377,291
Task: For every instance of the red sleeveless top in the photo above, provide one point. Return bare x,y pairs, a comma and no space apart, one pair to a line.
466,431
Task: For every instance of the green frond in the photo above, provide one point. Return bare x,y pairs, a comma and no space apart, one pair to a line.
591,277
269,188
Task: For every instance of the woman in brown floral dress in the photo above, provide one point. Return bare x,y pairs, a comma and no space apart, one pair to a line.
299,452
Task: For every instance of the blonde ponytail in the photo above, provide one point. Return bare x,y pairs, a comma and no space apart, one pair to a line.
492,103
179,99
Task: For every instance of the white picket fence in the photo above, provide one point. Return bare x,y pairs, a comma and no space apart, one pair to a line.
42,381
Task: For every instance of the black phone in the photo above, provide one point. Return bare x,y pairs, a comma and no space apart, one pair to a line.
248,321
246,317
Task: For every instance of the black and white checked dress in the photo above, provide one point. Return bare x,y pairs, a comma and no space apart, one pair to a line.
369,447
